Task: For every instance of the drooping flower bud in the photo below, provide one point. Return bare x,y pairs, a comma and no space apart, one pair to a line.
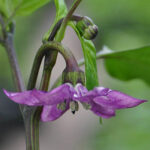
87,28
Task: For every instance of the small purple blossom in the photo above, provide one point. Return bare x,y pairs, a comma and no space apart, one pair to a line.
101,101
104,101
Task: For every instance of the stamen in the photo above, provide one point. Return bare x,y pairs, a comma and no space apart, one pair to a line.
74,106
61,106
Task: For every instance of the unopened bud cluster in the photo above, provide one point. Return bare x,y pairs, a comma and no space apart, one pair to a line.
87,28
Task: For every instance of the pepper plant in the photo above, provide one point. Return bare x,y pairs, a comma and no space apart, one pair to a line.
75,85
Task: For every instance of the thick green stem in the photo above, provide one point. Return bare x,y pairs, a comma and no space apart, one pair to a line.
48,66
31,120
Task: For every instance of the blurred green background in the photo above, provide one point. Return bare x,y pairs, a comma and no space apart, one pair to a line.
123,24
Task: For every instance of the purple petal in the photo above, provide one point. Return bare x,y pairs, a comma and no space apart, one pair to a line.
26,97
80,89
117,100
84,96
88,96
104,112
38,98
100,91
57,95
51,113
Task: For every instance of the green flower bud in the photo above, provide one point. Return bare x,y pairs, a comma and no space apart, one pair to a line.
90,32
87,28
73,77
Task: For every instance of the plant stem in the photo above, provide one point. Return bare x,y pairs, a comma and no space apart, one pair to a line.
9,46
50,58
60,35
32,114
48,66
58,25
16,74
8,42
31,120
43,50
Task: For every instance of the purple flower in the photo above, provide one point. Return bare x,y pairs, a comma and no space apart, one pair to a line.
101,101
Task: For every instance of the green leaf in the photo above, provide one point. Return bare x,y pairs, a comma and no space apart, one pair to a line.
89,52
4,7
61,11
129,64
28,6
20,7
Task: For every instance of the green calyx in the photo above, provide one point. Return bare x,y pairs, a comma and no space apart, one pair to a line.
73,77
87,28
